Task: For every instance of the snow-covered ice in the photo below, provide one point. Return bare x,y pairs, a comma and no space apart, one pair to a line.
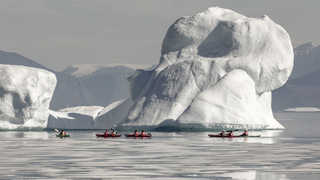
89,117
80,117
25,96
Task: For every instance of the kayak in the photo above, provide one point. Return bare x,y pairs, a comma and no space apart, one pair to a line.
219,136
62,136
138,136
108,135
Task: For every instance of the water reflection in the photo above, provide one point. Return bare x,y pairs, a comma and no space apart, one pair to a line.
266,137
24,134
255,175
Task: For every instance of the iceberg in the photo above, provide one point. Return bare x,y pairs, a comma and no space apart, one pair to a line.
25,96
217,68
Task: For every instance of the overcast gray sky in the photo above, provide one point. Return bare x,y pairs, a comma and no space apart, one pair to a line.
57,33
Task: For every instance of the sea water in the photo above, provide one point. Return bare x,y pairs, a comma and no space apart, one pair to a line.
290,154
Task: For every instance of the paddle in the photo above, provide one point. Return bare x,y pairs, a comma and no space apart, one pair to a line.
57,130
232,130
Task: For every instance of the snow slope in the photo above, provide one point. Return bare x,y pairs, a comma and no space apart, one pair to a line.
217,67
25,95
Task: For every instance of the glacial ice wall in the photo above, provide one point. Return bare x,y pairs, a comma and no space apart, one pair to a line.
25,95
217,67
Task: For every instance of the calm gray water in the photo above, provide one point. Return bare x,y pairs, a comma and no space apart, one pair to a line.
291,154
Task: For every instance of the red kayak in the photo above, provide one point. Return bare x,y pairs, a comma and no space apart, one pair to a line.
108,135
219,136
137,136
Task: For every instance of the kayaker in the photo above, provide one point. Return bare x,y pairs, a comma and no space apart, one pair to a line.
136,133
106,132
142,133
113,133
61,133
245,133
230,134
221,133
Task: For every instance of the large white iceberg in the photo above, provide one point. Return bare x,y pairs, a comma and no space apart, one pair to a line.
25,95
217,68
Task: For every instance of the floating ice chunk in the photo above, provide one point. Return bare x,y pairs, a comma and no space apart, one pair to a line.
89,117
303,109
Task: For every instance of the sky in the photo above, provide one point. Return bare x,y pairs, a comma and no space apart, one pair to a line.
58,33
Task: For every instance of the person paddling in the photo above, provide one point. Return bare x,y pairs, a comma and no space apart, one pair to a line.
142,133
230,134
136,133
245,133
106,132
221,133
62,133
113,133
